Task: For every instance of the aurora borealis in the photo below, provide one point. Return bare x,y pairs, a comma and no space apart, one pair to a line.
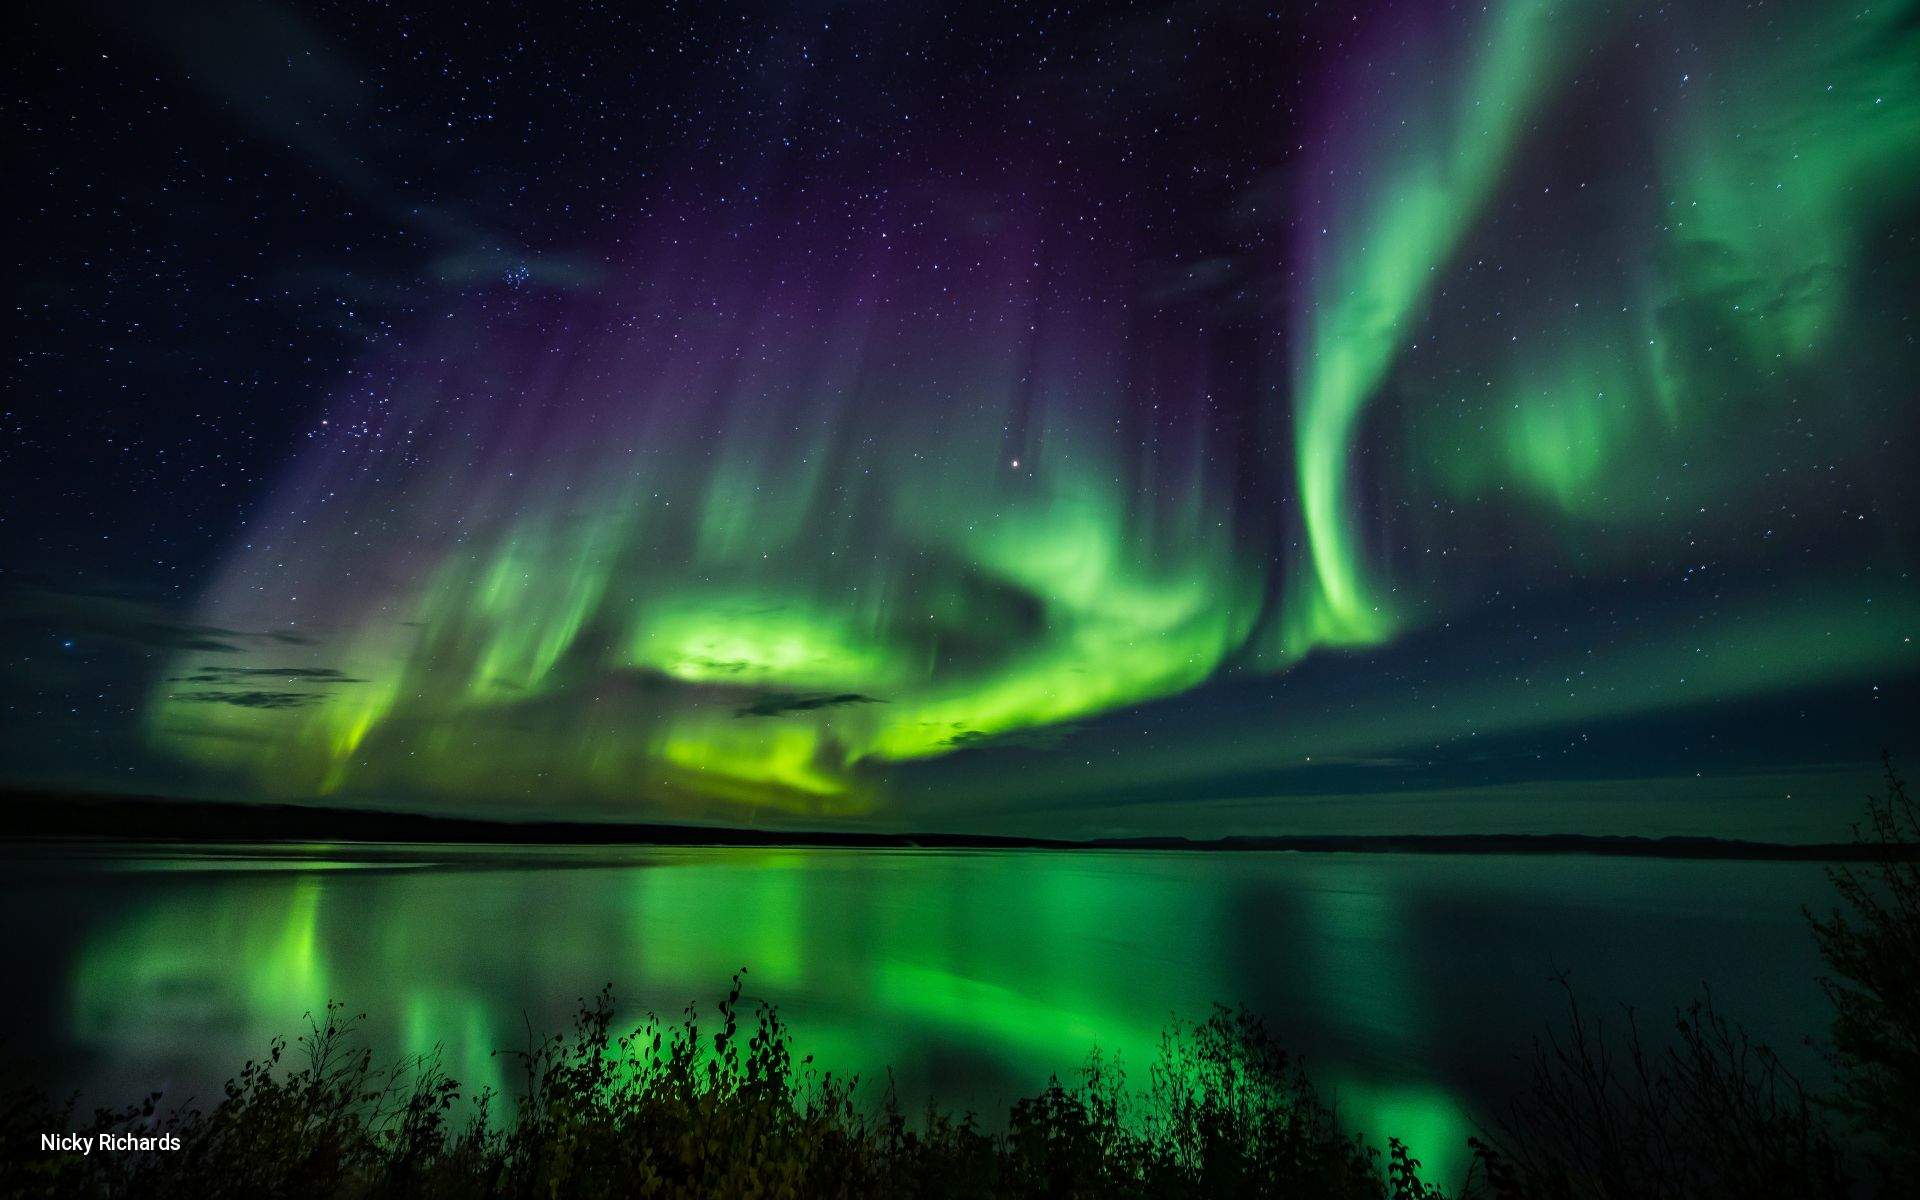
1191,419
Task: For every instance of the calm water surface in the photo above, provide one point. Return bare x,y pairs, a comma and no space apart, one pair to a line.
1410,984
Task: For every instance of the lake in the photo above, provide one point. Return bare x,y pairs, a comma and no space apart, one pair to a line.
1410,984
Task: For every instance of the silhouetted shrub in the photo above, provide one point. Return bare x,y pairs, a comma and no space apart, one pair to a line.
675,1111
1606,1116
1873,950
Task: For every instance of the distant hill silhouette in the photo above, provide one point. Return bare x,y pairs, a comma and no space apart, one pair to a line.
42,815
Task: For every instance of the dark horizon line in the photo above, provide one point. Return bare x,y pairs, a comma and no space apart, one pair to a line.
55,816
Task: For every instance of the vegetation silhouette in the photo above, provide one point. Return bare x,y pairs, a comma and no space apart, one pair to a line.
1606,1115
1872,946
685,1110
724,1109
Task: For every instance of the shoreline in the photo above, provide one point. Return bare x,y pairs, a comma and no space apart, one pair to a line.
48,819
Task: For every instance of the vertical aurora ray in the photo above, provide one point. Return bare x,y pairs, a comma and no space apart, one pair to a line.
1410,174
717,558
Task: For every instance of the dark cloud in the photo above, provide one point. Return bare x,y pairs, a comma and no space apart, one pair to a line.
220,674
779,704
1044,737
250,699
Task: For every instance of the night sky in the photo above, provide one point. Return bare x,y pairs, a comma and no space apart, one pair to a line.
1195,418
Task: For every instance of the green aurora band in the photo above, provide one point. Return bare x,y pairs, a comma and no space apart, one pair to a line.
1668,366
1421,168
744,532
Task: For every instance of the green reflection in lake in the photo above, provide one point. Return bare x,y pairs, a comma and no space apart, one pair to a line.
1407,983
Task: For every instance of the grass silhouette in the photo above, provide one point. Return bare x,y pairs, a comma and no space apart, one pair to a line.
720,1109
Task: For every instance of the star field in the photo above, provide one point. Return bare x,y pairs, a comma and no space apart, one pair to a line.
1202,418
